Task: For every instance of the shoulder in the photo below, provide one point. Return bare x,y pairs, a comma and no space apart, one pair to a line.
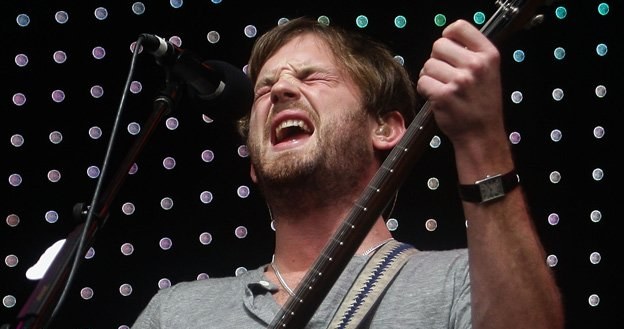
217,287
440,264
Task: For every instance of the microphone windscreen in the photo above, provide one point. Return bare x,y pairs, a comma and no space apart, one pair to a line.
237,96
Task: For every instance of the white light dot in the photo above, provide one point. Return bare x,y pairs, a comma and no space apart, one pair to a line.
242,191
242,151
392,224
553,219
240,232
240,270
51,216
164,283
55,137
205,197
205,238
516,97
435,142
86,293
166,203
556,135
601,91
557,94
595,216
15,180
54,176
17,140
93,172
127,249
207,156
595,257
593,300
11,260
128,208
552,260
169,163
555,177
134,128
9,301
515,138
172,123
213,37
165,243
597,174
433,183
431,225
12,220
125,289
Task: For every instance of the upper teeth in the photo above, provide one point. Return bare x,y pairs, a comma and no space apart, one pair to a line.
288,124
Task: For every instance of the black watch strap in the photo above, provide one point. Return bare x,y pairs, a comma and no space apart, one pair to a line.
490,188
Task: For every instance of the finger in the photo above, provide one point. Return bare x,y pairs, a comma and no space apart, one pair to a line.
467,36
439,70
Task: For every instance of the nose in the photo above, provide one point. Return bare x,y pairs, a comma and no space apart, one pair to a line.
285,89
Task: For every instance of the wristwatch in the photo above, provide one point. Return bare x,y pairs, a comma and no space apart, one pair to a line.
490,188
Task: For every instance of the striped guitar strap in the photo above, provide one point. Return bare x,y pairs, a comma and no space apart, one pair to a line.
370,284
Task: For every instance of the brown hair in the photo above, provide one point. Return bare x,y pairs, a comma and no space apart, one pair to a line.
384,83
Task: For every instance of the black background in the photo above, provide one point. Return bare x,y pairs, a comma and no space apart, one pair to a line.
572,240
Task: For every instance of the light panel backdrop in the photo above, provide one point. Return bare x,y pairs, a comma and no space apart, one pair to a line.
188,210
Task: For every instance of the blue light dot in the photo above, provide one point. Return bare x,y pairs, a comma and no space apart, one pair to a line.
176,3
439,20
601,49
518,56
561,12
400,21
361,21
479,17
603,9
23,20
559,53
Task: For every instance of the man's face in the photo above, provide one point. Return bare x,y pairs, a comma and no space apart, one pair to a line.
307,119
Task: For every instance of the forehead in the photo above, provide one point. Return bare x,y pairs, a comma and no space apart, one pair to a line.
302,51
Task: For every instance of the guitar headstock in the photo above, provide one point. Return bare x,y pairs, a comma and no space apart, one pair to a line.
512,16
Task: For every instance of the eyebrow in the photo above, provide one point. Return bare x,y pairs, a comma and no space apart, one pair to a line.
303,70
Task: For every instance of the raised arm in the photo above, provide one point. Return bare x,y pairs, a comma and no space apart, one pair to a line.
512,287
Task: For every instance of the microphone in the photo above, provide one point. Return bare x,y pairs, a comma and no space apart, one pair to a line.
218,83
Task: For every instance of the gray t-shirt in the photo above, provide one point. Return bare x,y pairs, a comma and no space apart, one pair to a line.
431,291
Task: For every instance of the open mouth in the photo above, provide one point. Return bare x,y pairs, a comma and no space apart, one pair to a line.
291,129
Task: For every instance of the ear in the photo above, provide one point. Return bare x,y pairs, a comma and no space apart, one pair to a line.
252,173
388,130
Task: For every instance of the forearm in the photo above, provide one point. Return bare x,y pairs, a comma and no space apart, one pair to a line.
512,287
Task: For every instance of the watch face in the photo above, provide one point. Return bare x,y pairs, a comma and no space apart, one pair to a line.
491,188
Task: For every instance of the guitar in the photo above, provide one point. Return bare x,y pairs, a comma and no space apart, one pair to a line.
510,16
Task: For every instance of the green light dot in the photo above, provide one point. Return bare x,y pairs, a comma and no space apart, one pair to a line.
601,49
400,21
439,20
324,20
561,12
361,21
559,53
603,9
479,18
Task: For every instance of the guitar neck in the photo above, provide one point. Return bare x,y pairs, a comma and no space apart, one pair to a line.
334,257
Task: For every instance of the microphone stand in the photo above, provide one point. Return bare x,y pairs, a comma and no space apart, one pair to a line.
45,300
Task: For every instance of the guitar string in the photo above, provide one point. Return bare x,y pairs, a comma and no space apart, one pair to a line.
285,285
